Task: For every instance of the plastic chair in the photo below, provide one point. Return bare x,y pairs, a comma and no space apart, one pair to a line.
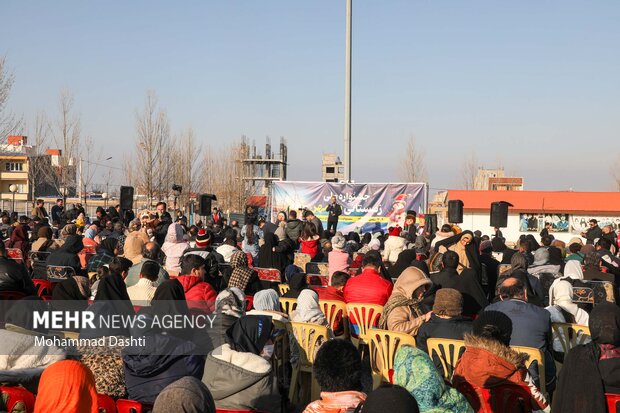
131,406
288,305
44,287
11,295
382,348
336,311
448,351
283,288
362,317
105,404
570,335
57,273
613,402
269,274
16,395
249,302
535,355
308,338
15,254
507,398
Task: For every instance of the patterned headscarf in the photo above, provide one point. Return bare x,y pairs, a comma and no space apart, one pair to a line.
241,273
415,371
231,302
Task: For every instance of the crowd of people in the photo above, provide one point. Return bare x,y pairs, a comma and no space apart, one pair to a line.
431,283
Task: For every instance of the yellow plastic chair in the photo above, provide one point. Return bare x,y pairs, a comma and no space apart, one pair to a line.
288,305
283,288
382,347
365,317
448,351
570,335
281,354
308,338
332,309
535,355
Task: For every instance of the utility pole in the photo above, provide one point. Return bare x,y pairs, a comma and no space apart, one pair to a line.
347,96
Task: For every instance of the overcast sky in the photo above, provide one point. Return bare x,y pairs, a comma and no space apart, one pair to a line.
534,86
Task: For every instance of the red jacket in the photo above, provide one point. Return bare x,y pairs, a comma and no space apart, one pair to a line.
368,287
330,293
199,294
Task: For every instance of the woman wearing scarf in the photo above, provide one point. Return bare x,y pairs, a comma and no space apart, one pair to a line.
297,284
404,311
407,258
591,370
308,311
66,386
415,371
229,306
112,289
186,395
19,237
44,240
239,372
105,254
72,292
67,254
242,276
463,244
167,354
135,241
174,246
563,310
266,302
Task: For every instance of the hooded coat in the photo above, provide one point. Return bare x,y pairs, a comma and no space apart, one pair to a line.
401,318
67,255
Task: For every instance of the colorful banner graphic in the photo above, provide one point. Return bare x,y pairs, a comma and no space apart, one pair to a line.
535,222
367,207
579,223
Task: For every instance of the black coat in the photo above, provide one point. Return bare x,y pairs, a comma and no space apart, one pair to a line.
14,277
474,298
452,328
67,255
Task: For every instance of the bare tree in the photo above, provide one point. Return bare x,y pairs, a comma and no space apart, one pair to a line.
88,162
184,155
413,163
469,171
67,137
9,123
39,167
152,139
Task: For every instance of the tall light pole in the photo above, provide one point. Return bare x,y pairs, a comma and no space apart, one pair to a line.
347,96
13,189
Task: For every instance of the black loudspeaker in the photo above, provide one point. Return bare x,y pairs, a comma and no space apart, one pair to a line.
251,215
430,223
204,207
455,211
499,214
126,198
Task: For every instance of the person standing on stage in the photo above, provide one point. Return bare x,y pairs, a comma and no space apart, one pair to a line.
334,211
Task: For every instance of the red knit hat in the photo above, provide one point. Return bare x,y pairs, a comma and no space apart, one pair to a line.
394,231
202,238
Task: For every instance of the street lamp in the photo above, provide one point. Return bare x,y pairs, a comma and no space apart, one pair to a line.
13,189
105,199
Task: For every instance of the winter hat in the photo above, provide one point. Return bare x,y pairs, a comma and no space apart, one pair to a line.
394,231
494,325
411,215
449,302
374,244
202,238
338,242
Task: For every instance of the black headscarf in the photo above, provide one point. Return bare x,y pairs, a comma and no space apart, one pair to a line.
73,244
68,290
407,258
249,334
22,314
297,283
267,258
109,244
397,398
170,298
112,288
605,324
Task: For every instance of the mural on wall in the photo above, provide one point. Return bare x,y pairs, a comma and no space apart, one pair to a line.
579,223
535,222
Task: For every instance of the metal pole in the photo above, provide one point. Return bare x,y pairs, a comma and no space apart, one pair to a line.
347,96
13,202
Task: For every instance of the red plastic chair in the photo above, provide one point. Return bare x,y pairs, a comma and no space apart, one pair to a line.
16,395
44,287
15,254
507,398
131,406
269,274
11,295
613,402
105,404
249,302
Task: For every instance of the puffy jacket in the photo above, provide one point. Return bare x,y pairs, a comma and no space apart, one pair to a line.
67,255
14,277
293,229
241,381
163,360
368,287
198,293
401,318
488,363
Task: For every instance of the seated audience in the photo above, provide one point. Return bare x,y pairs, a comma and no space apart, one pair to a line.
229,245
446,319
563,310
174,245
266,302
338,371
186,395
44,240
239,373
591,370
198,293
489,362
67,254
414,370
369,287
66,386
335,291
297,283
142,293
404,312
150,252
592,269
243,277
14,276
107,250
135,241
338,259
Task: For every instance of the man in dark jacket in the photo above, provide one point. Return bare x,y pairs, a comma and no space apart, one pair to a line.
294,227
446,321
474,298
334,210
67,255
310,217
13,276
593,232
57,213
